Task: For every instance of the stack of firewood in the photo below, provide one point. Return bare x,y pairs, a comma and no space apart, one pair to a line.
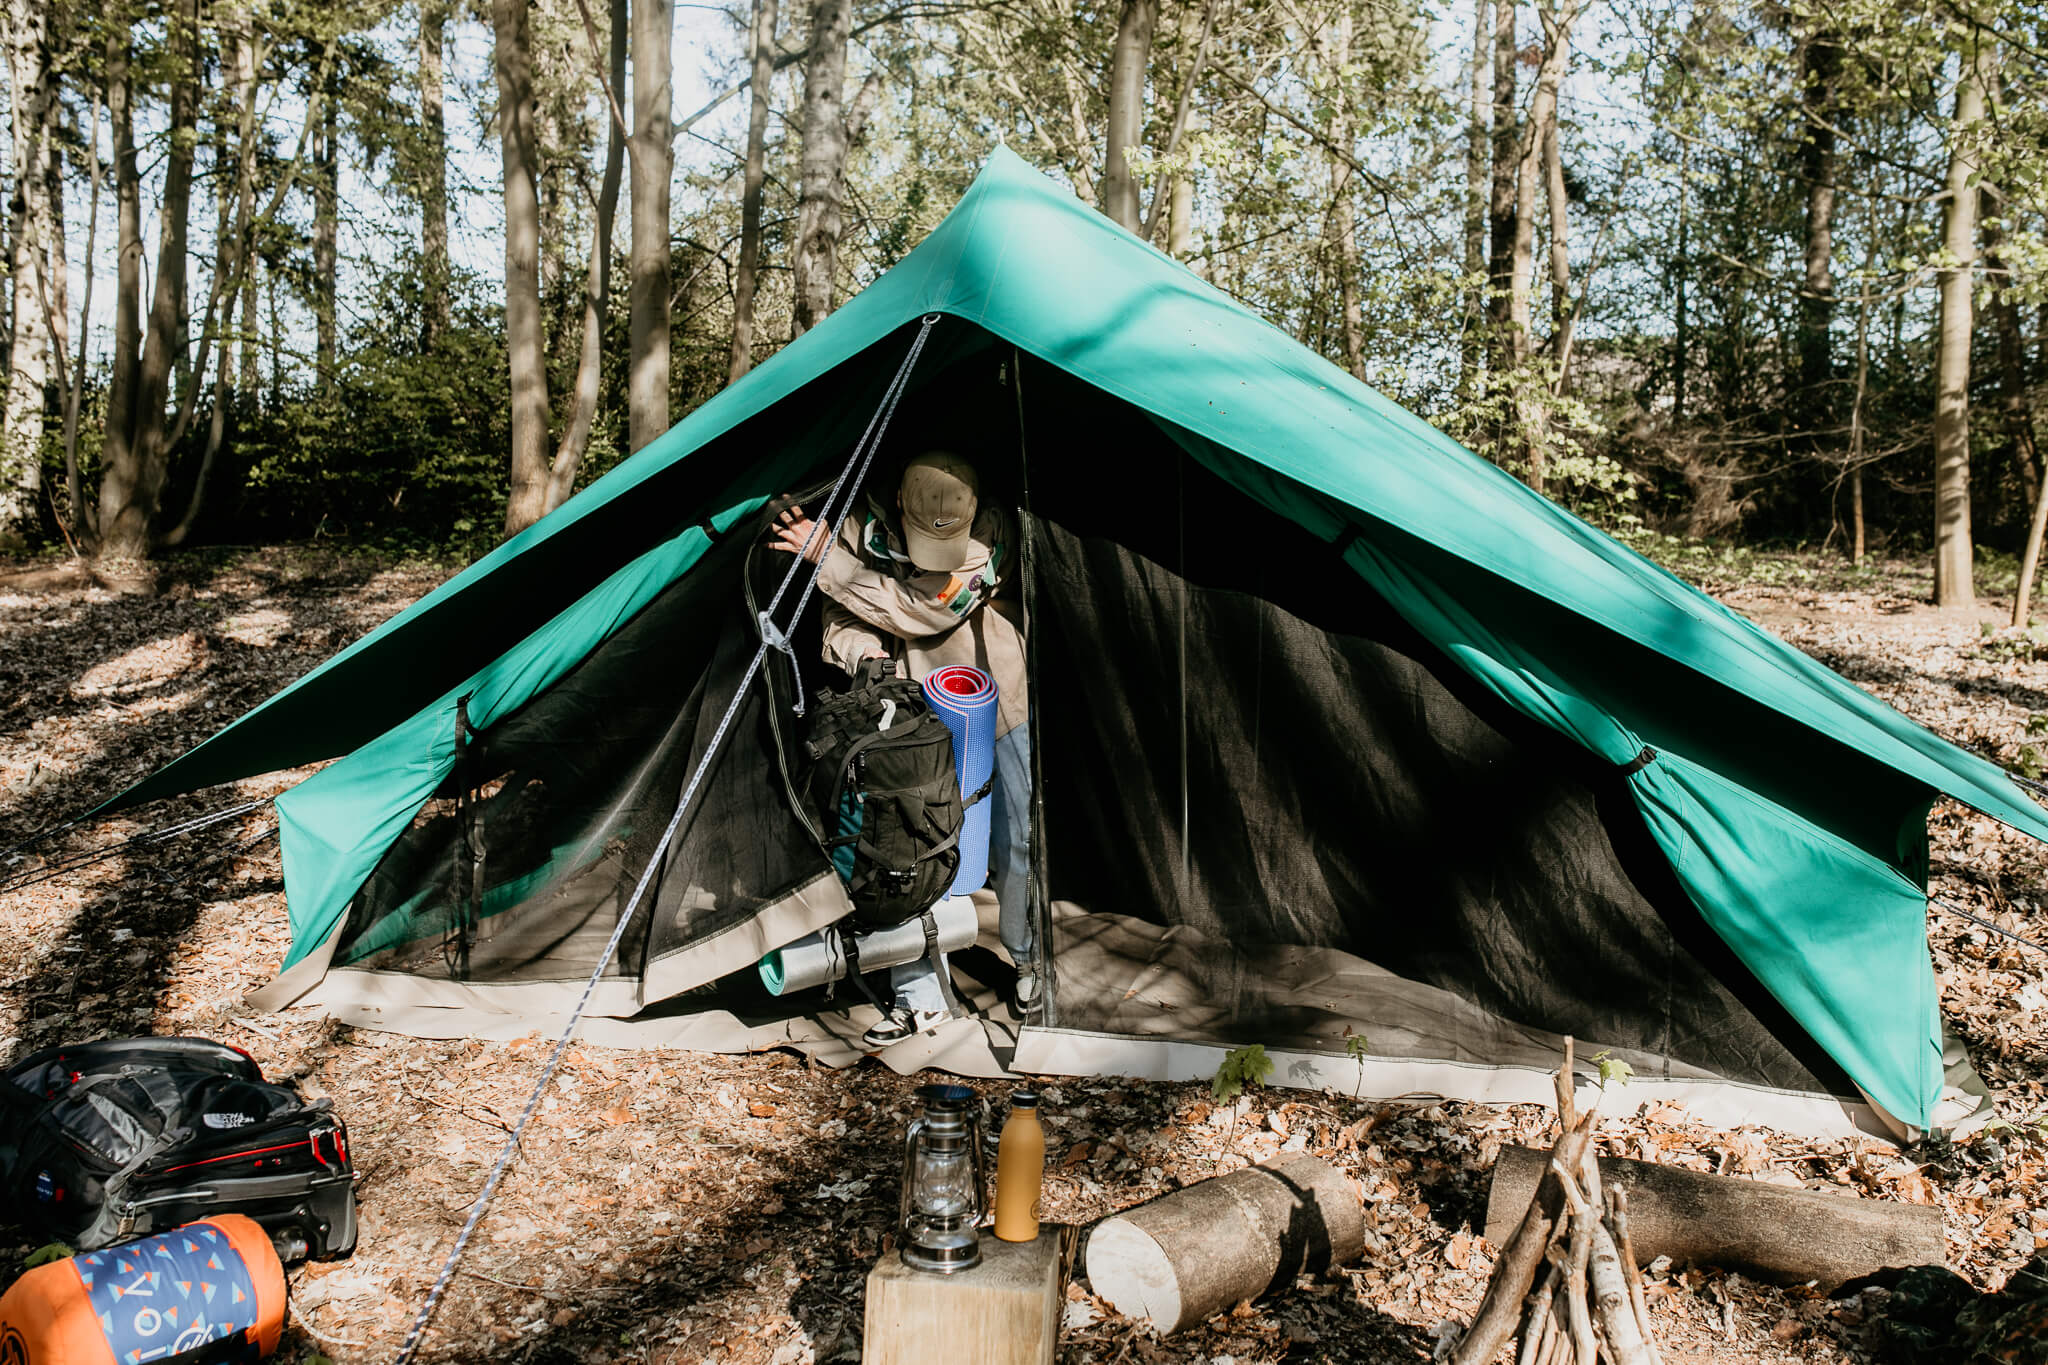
1566,1284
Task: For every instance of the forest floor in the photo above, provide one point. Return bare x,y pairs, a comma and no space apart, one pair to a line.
672,1207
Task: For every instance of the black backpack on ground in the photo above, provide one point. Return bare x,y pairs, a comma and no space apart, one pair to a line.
102,1142
882,795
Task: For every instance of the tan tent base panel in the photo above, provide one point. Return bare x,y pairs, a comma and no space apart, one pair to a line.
1153,986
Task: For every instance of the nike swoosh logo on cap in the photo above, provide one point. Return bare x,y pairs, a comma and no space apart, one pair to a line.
942,523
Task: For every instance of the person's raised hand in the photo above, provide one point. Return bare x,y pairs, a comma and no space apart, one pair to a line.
793,531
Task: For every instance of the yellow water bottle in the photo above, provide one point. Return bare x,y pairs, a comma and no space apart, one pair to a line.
1020,1169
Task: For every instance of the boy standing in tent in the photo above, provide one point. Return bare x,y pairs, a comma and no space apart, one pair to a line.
917,583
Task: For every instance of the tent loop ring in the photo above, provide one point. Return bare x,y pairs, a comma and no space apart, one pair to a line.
772,636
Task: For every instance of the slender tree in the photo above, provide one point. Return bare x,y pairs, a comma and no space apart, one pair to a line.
1821,72
826,142
524,346
34,107
1129,58
130,489
1472,353
120,473
750,193
653,22
1343,221
246,63
1500,251
433,176
326,233
597,289
1953,552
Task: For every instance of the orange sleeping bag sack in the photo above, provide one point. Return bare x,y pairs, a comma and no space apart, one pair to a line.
203,1294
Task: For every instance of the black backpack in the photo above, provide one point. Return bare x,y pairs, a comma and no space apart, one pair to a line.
882,796
102,1142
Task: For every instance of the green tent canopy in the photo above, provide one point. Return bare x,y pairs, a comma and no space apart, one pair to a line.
1339,730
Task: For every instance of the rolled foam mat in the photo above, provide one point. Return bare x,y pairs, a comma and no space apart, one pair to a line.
965,699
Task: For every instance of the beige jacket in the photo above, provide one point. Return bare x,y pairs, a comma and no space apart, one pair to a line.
879,603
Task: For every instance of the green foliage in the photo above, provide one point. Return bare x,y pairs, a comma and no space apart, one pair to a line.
43,1255
1612,1069
1241,1067
2031,761
1355,1045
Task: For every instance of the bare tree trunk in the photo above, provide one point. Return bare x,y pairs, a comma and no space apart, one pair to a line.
1821,66
433,177
33,106
1858,399
824,165
85,524
57,304
750,195
2018,420
1952,545
1560,255
237,191
1532,413
1681,333
1344,222
1128,62
129,495
524,346
654,158
326,211
1500,254
117,445
250,380
1180,219
590,365
1472,353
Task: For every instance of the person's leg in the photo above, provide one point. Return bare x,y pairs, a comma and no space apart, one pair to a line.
919,1003
1010,847
916,986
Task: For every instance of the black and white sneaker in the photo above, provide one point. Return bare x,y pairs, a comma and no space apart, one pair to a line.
900,1023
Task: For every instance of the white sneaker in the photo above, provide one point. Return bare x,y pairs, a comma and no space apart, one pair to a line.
900,1023
1027,990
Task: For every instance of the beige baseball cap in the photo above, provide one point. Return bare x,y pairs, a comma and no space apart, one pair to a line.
940,495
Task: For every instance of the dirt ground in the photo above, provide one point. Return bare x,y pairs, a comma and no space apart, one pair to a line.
672,1208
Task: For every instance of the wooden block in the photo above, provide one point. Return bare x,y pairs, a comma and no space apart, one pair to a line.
1005,1311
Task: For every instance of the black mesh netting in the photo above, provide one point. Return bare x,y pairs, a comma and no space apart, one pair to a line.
576,788
1275,813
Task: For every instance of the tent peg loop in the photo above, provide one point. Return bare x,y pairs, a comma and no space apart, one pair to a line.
1639,762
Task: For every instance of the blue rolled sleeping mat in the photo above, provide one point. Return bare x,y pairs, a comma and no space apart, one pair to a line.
965,699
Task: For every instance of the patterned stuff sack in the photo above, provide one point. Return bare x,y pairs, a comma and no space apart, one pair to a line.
203,1294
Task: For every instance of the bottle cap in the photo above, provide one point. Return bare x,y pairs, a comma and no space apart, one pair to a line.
1023,1099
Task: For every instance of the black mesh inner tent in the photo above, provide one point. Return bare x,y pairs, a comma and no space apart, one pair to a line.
573,792
1271,812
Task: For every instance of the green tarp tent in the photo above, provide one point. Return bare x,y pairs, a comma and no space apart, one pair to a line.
1339,729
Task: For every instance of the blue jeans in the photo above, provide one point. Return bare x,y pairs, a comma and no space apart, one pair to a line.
916,984
1009,838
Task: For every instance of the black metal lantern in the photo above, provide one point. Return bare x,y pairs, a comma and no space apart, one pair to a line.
945,1180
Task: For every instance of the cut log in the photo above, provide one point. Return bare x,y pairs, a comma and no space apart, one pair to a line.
1211,1246
1788,1236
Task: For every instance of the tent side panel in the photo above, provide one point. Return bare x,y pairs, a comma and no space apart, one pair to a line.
1838,937
338,823
1836,934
